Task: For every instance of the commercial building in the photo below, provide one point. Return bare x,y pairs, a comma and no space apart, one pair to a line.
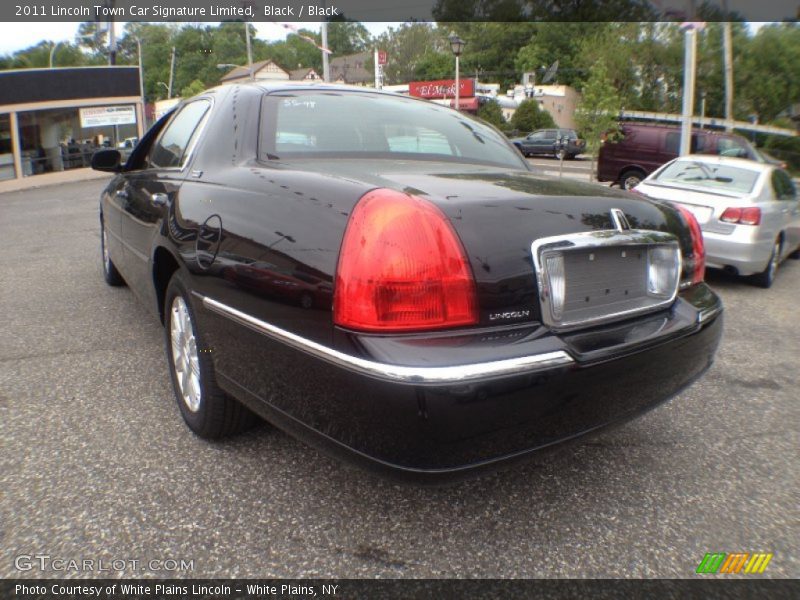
53,120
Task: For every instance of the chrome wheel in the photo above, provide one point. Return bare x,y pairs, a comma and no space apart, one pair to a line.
184,354
631,181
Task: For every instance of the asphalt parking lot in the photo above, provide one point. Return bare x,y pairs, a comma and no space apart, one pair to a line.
96,463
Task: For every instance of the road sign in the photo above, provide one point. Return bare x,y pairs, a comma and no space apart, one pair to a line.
382,57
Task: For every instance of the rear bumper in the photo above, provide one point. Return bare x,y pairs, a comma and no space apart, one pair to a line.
740,249
443,414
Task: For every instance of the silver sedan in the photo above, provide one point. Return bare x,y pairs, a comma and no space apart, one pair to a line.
749,212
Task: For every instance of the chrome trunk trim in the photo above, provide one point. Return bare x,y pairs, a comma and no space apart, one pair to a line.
619,238
452,375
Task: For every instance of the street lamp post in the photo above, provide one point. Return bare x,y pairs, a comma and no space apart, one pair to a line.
166,87
52,52
457,45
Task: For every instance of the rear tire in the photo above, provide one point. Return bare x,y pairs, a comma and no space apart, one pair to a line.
630,179
766,278
208,411
110,273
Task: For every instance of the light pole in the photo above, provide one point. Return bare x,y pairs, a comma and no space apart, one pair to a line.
52,52
166,87
457,45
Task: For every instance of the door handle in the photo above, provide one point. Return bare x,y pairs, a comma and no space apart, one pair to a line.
159,199
122,194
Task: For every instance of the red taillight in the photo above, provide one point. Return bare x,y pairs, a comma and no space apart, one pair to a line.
749,215
698,248
402,267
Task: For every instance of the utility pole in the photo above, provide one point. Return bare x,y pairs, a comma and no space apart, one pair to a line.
377,66
689,63
727,53
142,117
112,43
249,50
326,67
171,73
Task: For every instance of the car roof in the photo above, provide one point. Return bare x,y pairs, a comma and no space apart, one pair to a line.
675,127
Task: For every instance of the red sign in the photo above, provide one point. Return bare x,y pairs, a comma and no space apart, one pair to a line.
466,104
443,88
381,57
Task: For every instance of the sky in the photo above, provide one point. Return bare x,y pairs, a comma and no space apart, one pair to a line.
17,36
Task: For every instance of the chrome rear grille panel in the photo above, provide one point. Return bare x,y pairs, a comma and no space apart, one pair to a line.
603,276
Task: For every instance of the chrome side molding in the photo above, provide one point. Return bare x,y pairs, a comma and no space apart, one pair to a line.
428,376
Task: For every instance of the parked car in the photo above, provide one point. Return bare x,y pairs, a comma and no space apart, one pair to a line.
480,312
126,146
551,142
645,147
749,212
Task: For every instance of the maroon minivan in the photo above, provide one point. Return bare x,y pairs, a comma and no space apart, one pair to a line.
645,147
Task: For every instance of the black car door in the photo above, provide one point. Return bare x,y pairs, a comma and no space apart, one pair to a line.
151,189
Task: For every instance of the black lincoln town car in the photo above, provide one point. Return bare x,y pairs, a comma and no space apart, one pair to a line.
388,280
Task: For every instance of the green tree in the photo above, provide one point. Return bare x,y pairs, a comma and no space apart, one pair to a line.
768,81
295,52
194,88
562,42
38,56
407,47
597,111
347,37
435,65
490,49
529,117
156,43
491,112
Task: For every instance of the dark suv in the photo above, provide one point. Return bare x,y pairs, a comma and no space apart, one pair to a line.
553,142
643,148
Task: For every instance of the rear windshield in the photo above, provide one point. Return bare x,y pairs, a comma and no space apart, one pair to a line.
723,179
331,124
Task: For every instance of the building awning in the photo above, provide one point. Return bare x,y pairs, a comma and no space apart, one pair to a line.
465,103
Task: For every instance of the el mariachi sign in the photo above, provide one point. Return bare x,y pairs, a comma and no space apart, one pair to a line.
443,88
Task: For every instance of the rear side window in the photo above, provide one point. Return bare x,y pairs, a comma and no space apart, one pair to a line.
173,147
783,186
549,134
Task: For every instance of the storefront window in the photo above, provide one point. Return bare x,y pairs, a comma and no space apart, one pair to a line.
62,139
6,151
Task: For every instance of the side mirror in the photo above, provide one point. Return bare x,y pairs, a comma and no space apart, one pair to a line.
107,160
